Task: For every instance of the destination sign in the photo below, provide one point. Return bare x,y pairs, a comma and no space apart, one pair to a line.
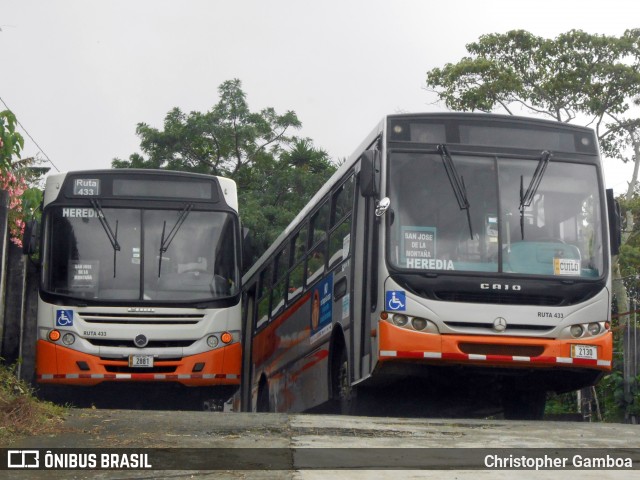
89,187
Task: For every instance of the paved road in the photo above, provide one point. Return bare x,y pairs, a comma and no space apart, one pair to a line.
348,441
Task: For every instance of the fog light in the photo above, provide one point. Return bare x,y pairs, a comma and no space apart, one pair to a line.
594,328
577,331
68,339
198,367
399,320
212,341
54,335
82,365
226,337
419,323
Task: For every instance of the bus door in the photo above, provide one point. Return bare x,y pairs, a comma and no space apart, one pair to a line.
248,322
364,265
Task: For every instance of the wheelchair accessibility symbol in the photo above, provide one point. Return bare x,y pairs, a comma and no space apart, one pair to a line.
64,318
396,300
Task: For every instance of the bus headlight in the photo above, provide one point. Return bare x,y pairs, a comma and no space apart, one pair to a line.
577,331
594,328
212,341
68,339
419,323
399,320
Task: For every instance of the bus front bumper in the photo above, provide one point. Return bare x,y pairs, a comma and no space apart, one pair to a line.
56,364
397,343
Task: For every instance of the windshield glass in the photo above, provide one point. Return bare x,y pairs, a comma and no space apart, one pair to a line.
558,233
83,261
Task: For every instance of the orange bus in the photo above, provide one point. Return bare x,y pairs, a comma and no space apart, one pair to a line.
140,280
464,249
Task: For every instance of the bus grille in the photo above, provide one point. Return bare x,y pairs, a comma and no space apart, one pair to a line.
507,350
512,327
499,298
141,319
127,369
101,342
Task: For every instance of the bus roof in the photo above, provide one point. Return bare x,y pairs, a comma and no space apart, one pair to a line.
54,181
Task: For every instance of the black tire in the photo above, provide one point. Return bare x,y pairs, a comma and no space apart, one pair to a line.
263,397
342,393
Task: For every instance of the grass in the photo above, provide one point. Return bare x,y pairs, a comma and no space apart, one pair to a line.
21,413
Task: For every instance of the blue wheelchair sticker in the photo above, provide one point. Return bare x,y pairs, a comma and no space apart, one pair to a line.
64,318
396,300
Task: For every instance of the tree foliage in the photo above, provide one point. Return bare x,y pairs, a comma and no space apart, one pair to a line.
276,172
16,177
11,142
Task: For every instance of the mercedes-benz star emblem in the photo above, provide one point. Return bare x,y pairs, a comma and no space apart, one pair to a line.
499,324
140,341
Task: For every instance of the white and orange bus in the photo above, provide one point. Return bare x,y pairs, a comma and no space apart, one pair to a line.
464,249
140,279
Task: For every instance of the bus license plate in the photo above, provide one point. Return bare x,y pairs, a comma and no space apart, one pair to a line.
141,361
584,351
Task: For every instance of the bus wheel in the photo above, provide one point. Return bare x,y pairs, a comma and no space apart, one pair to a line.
523,404
263,397
342,391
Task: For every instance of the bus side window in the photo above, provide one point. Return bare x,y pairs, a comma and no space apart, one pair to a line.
264,295
342,201
316,262
339,242
319,224
340,235
317,241
279,281
296,275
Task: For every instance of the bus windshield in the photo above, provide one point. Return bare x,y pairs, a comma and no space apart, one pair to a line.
558,231
146,255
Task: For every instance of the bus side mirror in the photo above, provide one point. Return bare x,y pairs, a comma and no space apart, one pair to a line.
370,173
30,237
615,223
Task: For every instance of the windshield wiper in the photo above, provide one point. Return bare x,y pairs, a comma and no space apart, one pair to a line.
457,183
165,242
113,237
527,197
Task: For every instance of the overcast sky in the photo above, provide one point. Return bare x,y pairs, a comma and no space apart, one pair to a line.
80,74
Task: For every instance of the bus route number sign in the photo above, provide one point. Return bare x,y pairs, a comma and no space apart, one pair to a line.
140,361
86,187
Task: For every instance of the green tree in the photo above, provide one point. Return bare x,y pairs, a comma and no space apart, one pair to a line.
593,79
17,177
11,142
276,172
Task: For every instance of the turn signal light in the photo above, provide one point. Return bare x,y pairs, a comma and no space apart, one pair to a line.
226,337
54,335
